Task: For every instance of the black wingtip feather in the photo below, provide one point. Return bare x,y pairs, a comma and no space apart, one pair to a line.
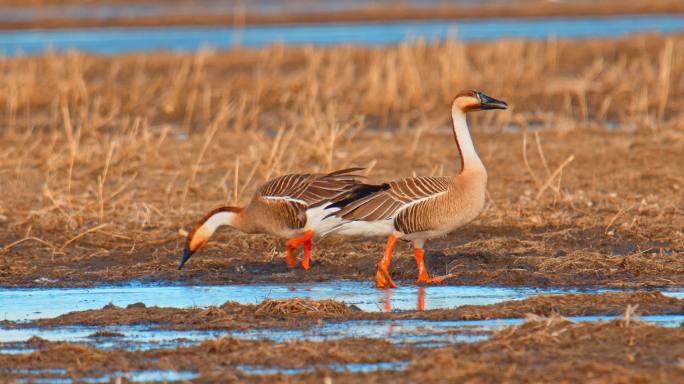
362,191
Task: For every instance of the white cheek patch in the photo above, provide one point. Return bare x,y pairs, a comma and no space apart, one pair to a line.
217,220
207,229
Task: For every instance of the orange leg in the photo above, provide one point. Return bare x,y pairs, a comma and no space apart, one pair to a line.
423,276
293,244
382,276
307,249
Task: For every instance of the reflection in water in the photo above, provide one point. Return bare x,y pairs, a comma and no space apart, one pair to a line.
387,300
420,305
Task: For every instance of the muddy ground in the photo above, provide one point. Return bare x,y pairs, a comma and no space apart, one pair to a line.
539,350
616,222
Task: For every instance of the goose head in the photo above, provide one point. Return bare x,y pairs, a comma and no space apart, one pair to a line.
206,227
468,101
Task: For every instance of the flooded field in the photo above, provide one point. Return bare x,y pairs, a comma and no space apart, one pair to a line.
122,40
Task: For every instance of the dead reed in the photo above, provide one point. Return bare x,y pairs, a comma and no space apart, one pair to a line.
289,307
111,155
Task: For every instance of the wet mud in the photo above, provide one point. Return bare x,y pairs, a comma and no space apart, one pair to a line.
539,350
546,350
219,360
293,313
583,304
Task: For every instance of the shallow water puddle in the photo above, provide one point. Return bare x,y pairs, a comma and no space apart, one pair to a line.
56,375
415,332
422,333
350,367
16,350
132,337
44,375
33,303
27,371
143,376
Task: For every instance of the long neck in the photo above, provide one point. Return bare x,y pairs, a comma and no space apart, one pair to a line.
470,161
219,219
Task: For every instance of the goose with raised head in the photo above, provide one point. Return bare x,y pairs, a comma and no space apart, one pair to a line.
290,206
423,208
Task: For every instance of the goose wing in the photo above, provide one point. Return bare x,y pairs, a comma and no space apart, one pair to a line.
311,190
394,197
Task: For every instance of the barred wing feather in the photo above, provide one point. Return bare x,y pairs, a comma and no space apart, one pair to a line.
397,196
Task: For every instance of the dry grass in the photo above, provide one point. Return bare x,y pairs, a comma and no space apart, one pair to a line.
327,308
103,159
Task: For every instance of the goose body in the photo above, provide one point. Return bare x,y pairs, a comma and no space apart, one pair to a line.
416,207
290,206
422,208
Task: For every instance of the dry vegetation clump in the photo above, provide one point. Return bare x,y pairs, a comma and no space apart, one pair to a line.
104,158
581,304
308,307
105,334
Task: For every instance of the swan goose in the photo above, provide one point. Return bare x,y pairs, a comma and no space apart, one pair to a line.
423,208
290,206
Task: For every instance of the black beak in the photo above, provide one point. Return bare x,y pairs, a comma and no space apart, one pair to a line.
186,255
491,103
